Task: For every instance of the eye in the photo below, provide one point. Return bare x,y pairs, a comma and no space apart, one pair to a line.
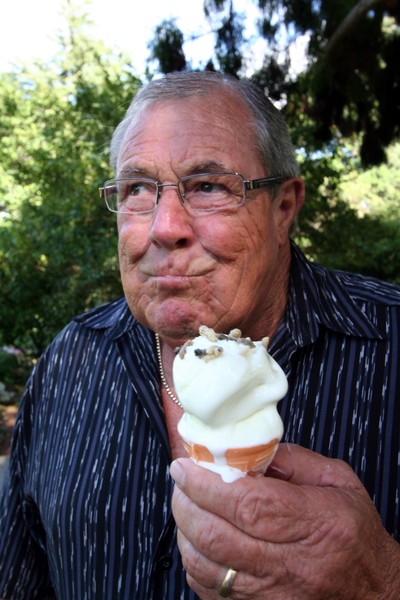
137,188
210,187
207,185
212,192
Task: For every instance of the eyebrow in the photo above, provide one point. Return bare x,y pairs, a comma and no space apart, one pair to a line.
210,167
131,171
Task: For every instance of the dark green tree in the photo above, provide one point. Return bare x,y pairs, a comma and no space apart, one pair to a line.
229,35
352,82
167,47
57,241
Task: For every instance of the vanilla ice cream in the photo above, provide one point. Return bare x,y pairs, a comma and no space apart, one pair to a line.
229,387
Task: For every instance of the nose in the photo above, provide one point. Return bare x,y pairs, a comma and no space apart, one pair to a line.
172,225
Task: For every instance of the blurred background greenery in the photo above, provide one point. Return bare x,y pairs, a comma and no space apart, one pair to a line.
58,243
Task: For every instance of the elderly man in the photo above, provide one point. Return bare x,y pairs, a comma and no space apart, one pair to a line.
206,191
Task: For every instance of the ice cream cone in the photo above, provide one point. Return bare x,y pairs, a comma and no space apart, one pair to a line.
253,460
229,387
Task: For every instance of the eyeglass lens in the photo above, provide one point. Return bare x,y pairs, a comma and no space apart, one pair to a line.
205,192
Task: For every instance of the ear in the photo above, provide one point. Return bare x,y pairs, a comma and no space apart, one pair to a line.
288,202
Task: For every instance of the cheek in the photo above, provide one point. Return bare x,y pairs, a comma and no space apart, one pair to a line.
240,251
224,238
238,239
132,242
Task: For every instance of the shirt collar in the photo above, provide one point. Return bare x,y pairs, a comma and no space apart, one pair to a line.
319,297
115,318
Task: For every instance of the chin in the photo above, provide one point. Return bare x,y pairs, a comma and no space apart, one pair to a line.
174,319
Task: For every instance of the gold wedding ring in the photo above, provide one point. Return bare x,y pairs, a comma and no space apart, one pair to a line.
227,583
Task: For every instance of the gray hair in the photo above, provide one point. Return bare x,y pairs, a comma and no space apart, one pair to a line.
270,130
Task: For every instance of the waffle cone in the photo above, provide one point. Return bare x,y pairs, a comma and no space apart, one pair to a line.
253,460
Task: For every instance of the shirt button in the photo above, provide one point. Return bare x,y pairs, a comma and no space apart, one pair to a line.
165,562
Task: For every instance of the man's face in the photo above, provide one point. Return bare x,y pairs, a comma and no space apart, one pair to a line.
218,269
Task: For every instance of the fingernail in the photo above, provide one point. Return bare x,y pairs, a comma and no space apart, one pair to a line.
289,448
176,471
275,471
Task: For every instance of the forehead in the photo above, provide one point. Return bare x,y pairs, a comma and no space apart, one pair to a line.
216,127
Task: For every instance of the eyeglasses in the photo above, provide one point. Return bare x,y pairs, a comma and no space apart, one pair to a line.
208,192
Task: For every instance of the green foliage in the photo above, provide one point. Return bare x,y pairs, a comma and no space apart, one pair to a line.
352,78
8,367
14,369
228,42
57,240
351,217
376,191
166,47
58,244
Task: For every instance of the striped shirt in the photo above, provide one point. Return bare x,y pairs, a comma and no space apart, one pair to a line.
86,509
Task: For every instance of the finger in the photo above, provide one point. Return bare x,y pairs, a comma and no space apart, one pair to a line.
266,509
199,568
215,537
205,576
305,467
218,517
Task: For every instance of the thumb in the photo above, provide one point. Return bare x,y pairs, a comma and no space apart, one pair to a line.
304,467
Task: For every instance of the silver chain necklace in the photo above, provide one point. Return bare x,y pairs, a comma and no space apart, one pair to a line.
162,374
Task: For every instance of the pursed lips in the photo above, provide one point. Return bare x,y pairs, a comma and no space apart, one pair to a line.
179,272
172,282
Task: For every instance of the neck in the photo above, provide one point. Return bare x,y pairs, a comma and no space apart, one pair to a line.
265,319
165,379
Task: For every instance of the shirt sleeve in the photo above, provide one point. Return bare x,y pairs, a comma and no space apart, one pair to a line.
24,572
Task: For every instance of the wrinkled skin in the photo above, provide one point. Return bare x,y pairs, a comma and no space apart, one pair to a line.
221,269
308,531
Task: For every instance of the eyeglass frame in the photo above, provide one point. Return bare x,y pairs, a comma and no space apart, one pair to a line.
248,186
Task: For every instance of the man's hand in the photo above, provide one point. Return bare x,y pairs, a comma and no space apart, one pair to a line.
307,531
